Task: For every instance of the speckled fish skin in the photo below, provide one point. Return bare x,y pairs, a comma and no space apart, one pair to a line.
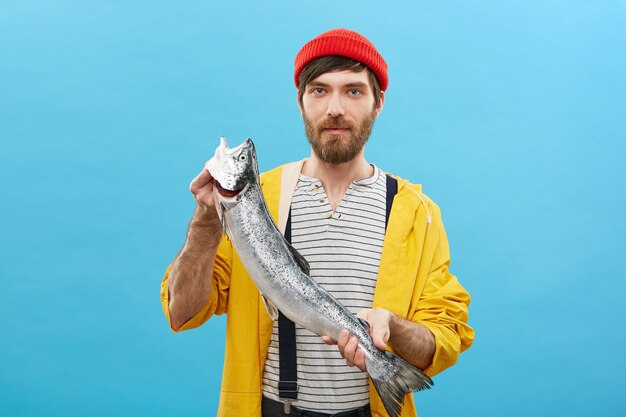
281,274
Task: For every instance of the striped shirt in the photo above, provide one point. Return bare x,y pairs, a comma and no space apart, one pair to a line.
343,249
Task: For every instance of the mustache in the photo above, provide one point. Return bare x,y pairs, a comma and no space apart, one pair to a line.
338,121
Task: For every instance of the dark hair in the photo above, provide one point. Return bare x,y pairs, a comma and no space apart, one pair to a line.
332,63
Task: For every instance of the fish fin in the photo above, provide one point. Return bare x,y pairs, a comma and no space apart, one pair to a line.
364,323
271,308
302,263
405,379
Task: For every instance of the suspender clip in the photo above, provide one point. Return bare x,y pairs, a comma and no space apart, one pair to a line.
287,406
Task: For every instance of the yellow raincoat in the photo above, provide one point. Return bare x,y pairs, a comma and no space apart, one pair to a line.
413,282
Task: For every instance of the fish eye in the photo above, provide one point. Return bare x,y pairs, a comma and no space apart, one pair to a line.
242,157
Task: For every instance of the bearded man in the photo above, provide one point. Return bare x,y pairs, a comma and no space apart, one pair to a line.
374,241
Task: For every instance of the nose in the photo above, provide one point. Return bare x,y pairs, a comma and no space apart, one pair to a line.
335,105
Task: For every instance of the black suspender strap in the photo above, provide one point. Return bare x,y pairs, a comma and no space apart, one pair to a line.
287,360
392,190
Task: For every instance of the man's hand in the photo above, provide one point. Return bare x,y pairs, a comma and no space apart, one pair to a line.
202,188
379,321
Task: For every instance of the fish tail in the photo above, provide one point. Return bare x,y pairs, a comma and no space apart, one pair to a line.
397,379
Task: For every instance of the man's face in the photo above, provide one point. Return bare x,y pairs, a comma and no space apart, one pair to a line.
338,111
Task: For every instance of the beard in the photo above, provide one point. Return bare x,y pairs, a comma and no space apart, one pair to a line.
337,149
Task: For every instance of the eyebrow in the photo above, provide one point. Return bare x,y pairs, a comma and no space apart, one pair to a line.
349,85
357,84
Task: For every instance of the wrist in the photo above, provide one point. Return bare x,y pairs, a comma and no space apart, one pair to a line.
395,323
204,233
205,217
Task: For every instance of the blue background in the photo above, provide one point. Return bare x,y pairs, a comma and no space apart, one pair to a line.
511,113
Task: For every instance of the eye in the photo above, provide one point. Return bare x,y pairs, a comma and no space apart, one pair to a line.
242,157
317,91
354,92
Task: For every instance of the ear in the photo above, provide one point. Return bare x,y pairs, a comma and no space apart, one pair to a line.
379,108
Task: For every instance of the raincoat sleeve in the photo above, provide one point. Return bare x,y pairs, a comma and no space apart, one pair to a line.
443,303
218,298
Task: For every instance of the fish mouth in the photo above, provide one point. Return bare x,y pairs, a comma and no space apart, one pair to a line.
224,192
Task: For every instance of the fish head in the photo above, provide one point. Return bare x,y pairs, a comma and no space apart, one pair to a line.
233,169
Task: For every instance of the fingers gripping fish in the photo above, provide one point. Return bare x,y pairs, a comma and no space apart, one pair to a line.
282,274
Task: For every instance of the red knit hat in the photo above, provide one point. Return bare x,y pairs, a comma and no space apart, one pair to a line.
346,43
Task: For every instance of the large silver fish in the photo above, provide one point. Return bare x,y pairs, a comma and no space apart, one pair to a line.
282,274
